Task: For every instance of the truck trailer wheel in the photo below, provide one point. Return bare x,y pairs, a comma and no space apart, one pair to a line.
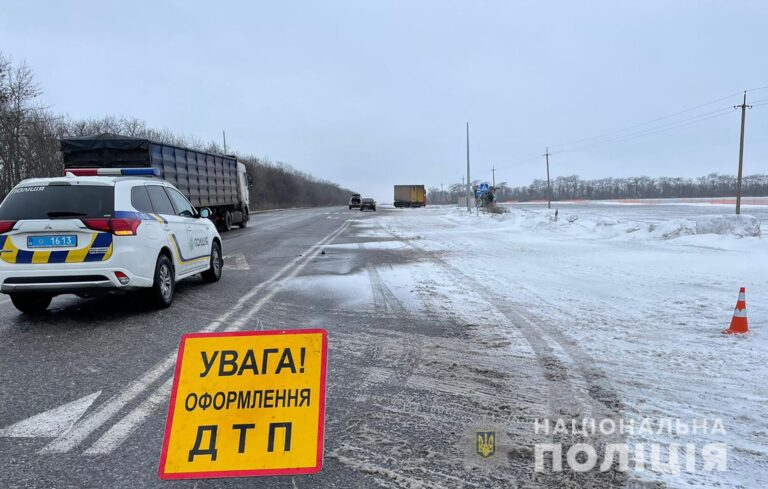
227,221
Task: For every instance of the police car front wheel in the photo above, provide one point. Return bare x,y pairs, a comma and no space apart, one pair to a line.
164,285
213,274
32,304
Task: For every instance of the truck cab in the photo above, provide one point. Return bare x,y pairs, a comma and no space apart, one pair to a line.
244,182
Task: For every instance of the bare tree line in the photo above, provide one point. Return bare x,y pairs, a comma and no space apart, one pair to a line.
30,134
574,188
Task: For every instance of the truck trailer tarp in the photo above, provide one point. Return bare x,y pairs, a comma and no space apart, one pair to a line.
208,180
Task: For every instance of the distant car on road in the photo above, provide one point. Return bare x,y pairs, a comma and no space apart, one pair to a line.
354,201
87,235
368,204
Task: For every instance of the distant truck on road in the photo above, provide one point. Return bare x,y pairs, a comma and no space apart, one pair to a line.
410,196
217,182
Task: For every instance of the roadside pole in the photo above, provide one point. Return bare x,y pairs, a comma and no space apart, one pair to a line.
469,206
743,108
549,191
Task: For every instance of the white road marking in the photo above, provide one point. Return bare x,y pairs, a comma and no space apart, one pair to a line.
83,428
236,262
116,435
239,323
123,429
51,423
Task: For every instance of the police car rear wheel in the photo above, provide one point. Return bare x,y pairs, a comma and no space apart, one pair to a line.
32,304
164,286
213,274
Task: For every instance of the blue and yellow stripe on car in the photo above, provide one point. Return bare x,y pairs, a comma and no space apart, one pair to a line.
180,259
144,216
158,218
99,249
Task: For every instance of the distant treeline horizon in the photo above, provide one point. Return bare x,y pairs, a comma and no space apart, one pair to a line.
30,134
574,188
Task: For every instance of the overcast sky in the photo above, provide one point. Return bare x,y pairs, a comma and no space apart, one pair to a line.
371,93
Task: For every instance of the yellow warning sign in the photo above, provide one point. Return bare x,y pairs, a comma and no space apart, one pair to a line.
245,404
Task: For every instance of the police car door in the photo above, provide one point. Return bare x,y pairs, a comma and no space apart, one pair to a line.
197,249
173,226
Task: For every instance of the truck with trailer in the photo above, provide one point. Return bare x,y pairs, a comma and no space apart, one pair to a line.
214,181
410,196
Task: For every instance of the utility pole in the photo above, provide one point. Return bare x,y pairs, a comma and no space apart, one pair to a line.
549,191
743,108
224,136
469,207
493,170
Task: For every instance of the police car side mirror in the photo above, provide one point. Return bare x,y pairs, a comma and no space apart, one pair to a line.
205,213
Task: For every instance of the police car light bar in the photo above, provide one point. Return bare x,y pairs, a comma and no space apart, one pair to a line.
113,172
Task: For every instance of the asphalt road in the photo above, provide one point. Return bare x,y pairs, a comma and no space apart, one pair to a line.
409,381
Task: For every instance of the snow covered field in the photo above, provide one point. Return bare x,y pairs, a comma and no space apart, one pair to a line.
630,300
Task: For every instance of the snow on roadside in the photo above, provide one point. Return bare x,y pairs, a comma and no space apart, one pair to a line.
647,301
606,226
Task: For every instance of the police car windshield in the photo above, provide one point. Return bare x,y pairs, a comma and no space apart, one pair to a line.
58,202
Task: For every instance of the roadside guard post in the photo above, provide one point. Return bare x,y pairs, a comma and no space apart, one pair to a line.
246,403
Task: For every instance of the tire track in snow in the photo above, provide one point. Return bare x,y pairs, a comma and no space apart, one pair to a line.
385,443
383,299
564,367
549,352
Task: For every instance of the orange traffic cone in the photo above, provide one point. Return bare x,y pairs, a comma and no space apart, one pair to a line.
739,321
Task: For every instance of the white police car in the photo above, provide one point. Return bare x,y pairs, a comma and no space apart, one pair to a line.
100,230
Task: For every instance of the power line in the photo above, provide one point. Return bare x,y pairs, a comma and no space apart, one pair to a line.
662,128
520,162
620,136
619,131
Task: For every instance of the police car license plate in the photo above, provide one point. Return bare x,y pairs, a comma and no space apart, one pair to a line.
53,241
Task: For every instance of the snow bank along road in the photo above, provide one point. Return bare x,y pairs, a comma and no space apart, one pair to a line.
441,326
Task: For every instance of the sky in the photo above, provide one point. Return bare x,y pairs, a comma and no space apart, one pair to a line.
372,93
